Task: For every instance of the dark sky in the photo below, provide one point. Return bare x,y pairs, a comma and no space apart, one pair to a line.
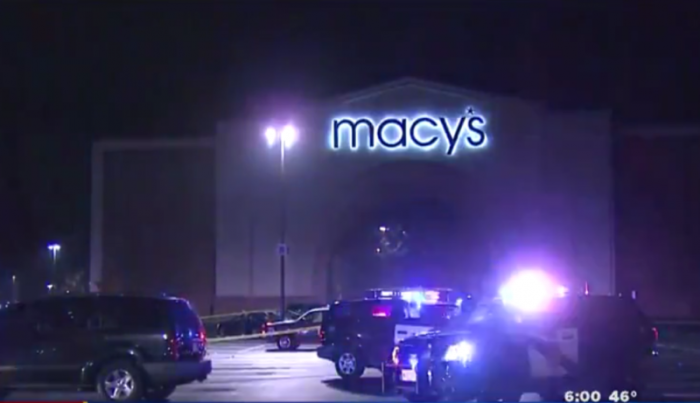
73,72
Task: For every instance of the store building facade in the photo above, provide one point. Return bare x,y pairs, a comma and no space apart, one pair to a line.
201,218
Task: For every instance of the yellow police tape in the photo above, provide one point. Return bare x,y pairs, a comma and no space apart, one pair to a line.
234,314
271,335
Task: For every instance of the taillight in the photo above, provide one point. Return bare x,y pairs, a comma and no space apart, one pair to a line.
381,311
655,331
203,333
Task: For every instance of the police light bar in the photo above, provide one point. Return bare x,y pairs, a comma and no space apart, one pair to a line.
414,295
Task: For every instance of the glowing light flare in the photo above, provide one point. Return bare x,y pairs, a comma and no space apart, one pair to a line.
271,136
431,296
287,136
529,291
562,291
421,297
462,352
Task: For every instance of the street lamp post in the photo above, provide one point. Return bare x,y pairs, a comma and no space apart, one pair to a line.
54,249
14,288
283,138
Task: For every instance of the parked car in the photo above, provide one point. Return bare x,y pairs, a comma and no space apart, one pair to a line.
290,334
125,348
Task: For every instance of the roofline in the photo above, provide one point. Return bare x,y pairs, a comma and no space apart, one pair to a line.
431,86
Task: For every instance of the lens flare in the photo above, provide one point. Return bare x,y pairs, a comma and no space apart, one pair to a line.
530,291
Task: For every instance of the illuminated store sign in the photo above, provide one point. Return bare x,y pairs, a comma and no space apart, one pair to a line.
424,132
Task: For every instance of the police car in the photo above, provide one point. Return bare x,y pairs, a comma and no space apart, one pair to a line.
361,334
539,341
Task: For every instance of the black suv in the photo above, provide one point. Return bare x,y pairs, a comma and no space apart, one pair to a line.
126,348
361,334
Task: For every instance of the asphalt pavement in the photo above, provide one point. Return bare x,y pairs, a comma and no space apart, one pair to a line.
253,371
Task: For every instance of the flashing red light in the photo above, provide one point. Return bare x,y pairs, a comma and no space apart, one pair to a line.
381,311
203,333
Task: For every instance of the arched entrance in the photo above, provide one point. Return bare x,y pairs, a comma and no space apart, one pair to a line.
408,223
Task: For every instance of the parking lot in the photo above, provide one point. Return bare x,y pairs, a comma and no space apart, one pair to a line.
247,371
253,371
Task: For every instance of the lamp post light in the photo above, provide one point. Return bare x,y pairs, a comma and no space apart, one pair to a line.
54,248
283,138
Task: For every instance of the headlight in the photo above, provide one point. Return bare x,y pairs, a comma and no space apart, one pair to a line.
463,352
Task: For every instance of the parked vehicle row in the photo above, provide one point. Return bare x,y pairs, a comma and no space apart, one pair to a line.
429,344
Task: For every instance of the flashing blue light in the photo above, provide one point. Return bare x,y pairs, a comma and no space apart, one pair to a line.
423,132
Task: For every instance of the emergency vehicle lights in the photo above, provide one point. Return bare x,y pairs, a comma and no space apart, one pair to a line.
421,297
462,352
530,291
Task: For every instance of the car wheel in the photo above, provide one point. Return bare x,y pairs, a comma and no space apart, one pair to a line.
349,365
161,392
120,381
285,343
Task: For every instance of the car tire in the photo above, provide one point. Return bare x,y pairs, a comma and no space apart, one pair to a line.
349,365
159,393
121,381
286,343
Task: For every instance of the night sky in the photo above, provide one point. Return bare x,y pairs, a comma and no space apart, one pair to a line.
74,72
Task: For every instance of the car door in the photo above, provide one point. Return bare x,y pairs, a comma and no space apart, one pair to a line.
311,326
65,340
